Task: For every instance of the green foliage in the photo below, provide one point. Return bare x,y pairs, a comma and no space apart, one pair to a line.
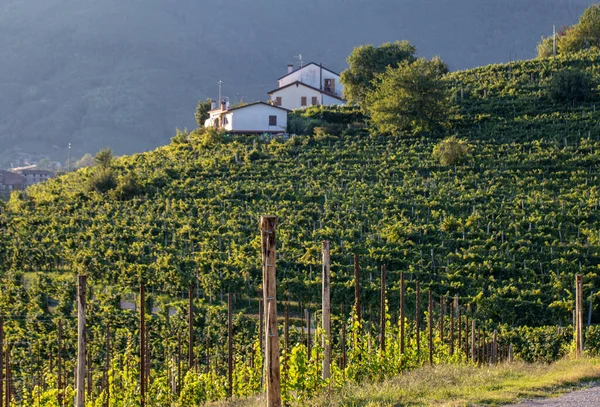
451,151
102,181
412,97
104,159
570,86
570,40
367,62
543,344
202,110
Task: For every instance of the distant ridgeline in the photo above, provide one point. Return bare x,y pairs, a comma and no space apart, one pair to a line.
506,230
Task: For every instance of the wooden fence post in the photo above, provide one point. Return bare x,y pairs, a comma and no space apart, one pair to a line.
418,316
230,345
579,314
8,377
81,341
357,289
190,327
142,345
58,365
467,335
2,359
430,324
382,307
268,226
451,327
326,310
495,348
459,324
308,336
402,313
343,339
473,328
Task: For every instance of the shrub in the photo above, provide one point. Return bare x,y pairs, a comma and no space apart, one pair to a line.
591,341
451,151
570,86
543,344
102,181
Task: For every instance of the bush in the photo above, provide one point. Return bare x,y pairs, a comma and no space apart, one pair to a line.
451,151
102,181
570,86
544,344
591,340
127,187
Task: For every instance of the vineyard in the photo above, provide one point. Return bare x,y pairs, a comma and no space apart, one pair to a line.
497,239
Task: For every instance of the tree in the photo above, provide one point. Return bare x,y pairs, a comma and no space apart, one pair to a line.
104,158
589,26
202,111
412,97
367,62
451,151
570,86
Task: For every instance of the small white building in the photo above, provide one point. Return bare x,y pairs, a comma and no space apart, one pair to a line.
258,117
309,85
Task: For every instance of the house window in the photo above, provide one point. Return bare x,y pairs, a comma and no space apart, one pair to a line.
303,101
314,101
272,120
329,86
278,100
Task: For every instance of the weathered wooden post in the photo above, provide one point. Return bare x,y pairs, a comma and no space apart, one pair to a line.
579,314
230,345
357,288
430,323
451,328
326,318
495,348
308,336
402,313
268,226
442,304
81,341
190,327
59,375
382,308
418,317
473,327
142,345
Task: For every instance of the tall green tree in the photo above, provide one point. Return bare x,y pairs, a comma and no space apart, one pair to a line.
104,158
367,62
202,111
412,97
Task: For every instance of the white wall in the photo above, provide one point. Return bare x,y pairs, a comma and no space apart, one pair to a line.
291,97
255,118
311,75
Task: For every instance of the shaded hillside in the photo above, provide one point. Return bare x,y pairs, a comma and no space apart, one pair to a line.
124,74
505,231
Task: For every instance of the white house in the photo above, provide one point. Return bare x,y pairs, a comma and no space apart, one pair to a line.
258,117
311,84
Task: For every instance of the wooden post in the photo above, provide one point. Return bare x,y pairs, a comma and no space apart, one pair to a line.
268,226
357,289
382,308
467,335
495,348
107,365
402,313
451,328
8,377
230,345
81,341
442,304
142,345
190,327
308,338
58,365
178,387
430,326
343,339
418,317
579,314
326,318
286,341
473,327
459,324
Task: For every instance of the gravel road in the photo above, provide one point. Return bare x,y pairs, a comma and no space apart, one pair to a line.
581,398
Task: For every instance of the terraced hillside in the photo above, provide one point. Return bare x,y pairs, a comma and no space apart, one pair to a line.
506,231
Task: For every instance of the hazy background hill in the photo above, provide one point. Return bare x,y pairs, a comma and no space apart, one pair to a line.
125,73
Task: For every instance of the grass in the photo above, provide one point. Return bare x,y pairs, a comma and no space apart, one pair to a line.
453,386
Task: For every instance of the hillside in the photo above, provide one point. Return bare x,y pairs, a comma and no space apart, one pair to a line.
124,74
506,231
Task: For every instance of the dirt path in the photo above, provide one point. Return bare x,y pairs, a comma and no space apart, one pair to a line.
581,398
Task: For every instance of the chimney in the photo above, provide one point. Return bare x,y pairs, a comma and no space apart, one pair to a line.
223,105
290,68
